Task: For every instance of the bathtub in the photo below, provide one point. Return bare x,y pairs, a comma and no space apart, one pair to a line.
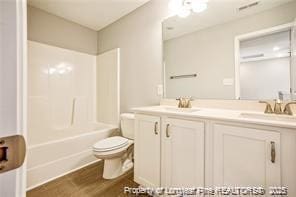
52,159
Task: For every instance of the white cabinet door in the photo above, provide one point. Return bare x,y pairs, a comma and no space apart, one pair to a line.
182,153
147,151
246,157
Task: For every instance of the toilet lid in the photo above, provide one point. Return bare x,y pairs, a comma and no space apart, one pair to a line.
110,143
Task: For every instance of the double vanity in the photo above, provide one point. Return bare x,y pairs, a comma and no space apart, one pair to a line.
226,138
204,147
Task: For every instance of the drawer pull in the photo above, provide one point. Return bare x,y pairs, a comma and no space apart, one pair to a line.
272,153
155,128
167,130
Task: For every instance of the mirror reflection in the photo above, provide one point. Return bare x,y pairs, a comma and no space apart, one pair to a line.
230,49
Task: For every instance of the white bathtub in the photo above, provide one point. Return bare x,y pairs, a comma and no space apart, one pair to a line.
53,159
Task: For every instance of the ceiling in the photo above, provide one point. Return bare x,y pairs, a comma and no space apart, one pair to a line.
218,12
94,14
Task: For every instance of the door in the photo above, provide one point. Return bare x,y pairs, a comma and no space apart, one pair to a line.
12,58
293,61
182,153
147,151
246,157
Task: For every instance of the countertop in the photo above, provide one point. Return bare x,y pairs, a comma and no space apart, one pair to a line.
283,121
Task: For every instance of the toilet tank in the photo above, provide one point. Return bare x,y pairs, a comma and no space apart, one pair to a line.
127,124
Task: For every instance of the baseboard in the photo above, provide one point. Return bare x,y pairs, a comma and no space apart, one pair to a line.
61,175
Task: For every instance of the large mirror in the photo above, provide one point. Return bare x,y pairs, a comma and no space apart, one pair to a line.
230,49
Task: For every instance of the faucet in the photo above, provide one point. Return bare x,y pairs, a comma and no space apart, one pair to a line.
268,108
184,102
288,110
278,107
281,95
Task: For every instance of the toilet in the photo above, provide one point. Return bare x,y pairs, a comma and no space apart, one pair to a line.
117,151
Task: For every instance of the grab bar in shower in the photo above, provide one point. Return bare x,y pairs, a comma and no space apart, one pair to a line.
73,111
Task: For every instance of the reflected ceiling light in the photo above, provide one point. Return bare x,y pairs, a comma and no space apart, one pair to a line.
198,7
175,5
183,8
52,70
276,48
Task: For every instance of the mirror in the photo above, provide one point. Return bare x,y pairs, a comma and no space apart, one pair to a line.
234,49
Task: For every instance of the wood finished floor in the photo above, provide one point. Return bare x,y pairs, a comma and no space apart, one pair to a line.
86,182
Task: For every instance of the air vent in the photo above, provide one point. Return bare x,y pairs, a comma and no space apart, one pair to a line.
248,6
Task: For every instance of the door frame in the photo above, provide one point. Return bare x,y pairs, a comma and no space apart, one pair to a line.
21,56
247,36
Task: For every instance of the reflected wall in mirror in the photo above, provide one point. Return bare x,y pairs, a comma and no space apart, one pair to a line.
231,51
264,64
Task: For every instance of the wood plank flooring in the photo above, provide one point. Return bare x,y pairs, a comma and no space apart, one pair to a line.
86,182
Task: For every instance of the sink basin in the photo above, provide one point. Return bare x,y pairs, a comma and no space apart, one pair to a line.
274,117
184,110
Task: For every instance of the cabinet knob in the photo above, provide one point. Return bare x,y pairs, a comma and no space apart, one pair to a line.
167,130
155,128
272,152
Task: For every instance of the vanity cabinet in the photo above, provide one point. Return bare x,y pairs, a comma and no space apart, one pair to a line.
182,153
147,150
246,157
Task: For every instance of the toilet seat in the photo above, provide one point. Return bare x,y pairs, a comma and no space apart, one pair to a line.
118,152
110,143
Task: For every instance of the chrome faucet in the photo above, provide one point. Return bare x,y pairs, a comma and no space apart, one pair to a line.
184,102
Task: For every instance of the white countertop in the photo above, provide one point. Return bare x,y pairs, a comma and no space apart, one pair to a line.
283,121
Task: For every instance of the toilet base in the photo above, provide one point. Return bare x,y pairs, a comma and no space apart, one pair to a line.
115,167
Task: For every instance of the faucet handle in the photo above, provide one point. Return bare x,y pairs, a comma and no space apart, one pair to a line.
184,102
268,108
288,109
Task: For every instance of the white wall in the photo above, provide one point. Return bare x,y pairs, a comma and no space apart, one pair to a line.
262,80
139,37
107,80
210,54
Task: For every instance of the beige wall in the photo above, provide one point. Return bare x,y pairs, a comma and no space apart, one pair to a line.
210,53
139,37
50,29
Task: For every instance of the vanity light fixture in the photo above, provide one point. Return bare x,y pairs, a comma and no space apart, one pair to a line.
184,8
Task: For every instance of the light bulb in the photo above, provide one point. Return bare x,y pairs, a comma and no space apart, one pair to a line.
198,6
175,5
183,12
